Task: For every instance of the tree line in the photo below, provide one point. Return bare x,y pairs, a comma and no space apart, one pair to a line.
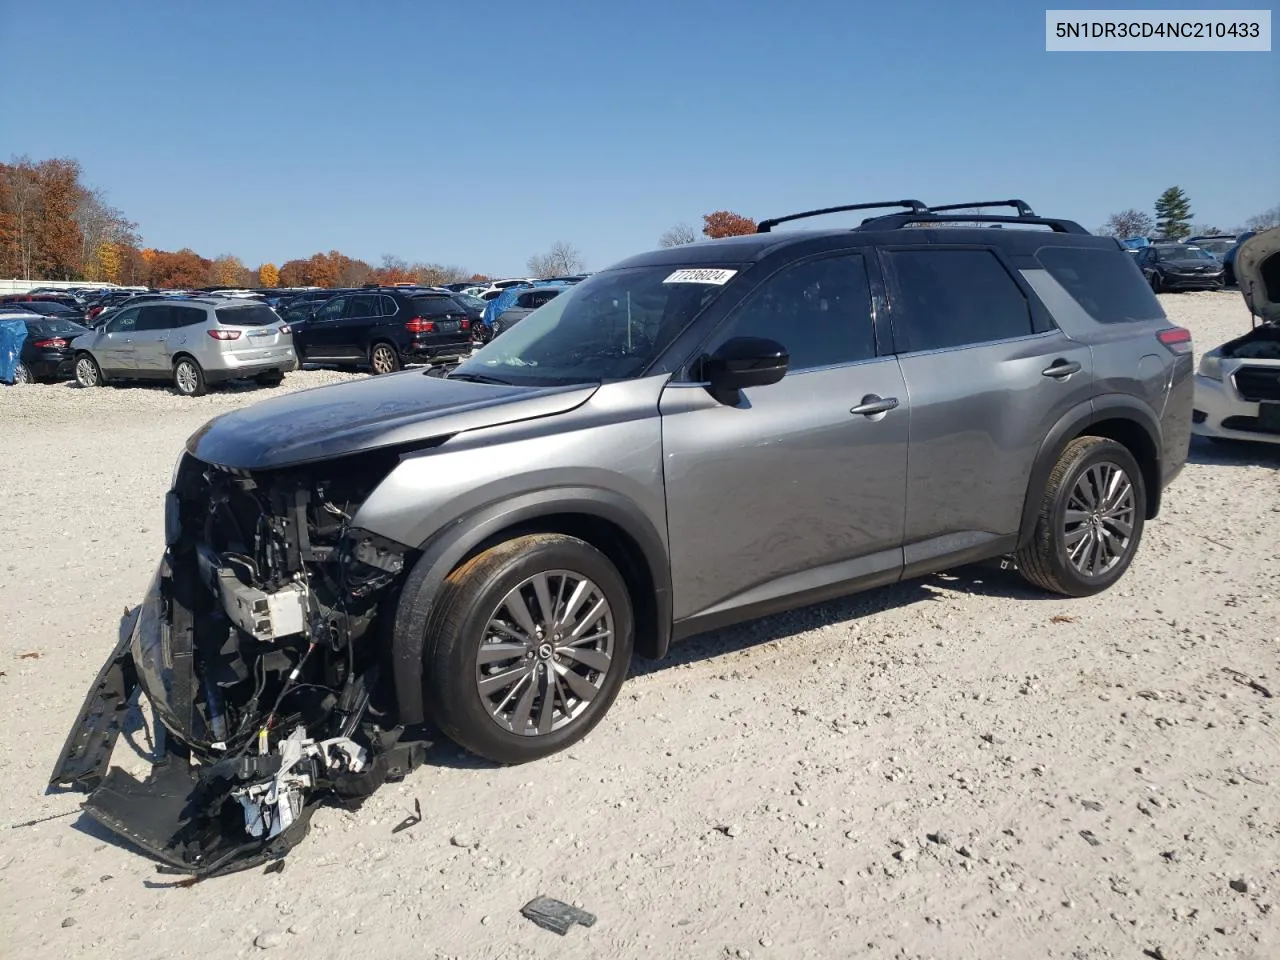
1174,220
54,226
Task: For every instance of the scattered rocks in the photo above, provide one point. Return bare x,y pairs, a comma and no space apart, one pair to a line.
1090,838
1239,886
463,840
940,838
268,940
69,922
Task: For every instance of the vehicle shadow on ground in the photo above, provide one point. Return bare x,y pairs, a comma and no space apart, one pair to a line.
977,580
1233,453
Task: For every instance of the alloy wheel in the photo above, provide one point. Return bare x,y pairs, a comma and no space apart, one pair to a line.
86,372
383,359
22,374
187,377
545,654
1100,518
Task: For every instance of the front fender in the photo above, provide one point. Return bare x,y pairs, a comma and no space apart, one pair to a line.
450,546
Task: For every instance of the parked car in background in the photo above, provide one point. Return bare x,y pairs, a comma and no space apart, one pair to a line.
1229,258
385,328
48,308
194,342
1216,245
46,353
1179,266
71,305
526,302
1238,384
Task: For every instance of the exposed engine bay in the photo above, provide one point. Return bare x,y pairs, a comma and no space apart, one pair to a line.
1260,343
261,649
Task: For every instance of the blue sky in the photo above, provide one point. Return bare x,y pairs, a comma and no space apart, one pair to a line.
479,134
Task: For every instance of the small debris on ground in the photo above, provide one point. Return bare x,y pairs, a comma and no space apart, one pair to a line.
267,940
1088,835
1062,618
33,655
1239,886
69,922
1236,675
412,820
555,915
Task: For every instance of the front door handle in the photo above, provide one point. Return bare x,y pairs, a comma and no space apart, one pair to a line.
1061,369
872,405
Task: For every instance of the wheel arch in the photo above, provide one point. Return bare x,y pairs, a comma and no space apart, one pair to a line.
609,522
1124,419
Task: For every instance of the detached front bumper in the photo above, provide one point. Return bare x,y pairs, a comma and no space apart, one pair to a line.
198,812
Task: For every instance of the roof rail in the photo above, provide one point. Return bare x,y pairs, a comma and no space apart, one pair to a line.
914,205
895,221
1023,208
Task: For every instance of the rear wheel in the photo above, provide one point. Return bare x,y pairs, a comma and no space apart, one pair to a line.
88,373
1091,518
22,374
1156,283
530,643
383,358
188,378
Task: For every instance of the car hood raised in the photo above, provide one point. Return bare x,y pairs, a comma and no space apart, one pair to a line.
1257,265
384,411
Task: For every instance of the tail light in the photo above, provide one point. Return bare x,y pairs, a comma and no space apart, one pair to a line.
55,343
1175,339
286,329
466,324
93,312
224,334
419,325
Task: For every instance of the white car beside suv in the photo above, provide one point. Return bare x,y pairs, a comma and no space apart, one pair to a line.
1238,384
193,342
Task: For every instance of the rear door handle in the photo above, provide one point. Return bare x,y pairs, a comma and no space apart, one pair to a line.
1061,369
872,404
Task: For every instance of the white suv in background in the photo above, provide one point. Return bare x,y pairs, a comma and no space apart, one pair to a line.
1238,385
193,342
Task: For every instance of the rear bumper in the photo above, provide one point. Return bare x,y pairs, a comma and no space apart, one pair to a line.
229,366
50,364
1220,412
439,351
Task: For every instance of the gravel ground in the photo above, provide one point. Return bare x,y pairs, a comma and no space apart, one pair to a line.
953,767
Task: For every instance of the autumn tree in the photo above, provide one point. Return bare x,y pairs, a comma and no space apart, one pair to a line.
679,235
723,223
268,275
181,270
1128,223
227,271
1173,214
108,260
561,260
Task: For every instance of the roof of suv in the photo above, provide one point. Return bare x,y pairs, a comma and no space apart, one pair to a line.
892,229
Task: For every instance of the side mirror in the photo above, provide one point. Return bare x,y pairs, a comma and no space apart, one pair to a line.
744,362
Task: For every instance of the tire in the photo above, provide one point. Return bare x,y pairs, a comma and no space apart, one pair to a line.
22,374
88,373
188,378
383,358
272,378
1157,284
1229,274
480,333
1046,561
475,596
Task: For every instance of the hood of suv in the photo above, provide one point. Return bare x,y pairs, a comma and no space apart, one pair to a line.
1257,265
346,418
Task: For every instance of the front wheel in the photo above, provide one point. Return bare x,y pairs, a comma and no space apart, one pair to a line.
22,374
88,373
1091,517
1156,283
188,378
530,644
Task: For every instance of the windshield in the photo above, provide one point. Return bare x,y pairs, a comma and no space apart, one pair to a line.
1215,247
48,308
1181,253
609,327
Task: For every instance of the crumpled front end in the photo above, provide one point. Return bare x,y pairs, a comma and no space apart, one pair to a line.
260,648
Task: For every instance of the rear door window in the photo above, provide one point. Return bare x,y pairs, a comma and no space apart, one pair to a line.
1106,283
361,306
253,315
954,298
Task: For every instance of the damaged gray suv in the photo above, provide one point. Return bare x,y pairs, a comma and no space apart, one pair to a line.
694,437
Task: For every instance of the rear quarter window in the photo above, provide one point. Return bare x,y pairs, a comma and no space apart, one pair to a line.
1106,283
250,316
434,306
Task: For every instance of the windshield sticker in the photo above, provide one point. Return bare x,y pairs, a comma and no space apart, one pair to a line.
717,277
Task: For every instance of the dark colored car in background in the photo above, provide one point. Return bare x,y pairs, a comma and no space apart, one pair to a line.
1179,266
42,303
1217,244
383,329
46,353
527,302
1229,258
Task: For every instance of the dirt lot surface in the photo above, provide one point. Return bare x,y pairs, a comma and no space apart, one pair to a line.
954,767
